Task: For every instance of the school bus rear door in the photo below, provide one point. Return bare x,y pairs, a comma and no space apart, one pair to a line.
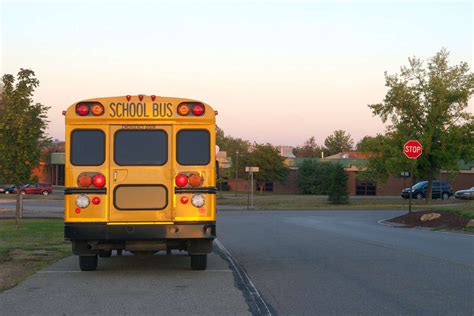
140,173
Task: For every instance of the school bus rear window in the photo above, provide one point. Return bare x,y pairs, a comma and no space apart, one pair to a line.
193,147
141,147
87,147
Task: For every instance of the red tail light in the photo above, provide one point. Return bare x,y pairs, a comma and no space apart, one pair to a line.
99,180
181,180
198,109
184,200
96,200
82,109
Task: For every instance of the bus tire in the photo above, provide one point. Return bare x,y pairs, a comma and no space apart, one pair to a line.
88,263
198,262
105,253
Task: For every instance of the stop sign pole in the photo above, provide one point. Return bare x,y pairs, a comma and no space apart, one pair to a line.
412,150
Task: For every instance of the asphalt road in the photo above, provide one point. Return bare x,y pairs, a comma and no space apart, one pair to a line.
345,263
298,262
39,207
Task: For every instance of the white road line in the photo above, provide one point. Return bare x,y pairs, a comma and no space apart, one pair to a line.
244,276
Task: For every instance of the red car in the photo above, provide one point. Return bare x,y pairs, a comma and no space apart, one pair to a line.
39,188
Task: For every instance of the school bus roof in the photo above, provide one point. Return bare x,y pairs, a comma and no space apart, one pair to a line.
139,108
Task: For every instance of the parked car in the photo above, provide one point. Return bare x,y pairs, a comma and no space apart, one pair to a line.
39,188
467,194
7,189
441,190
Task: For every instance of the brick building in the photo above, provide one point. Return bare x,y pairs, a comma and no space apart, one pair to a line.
52,171
352,162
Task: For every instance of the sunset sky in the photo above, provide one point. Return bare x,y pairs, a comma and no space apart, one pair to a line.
277,71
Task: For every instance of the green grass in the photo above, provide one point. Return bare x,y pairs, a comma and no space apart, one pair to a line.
465,209
273,201
23,251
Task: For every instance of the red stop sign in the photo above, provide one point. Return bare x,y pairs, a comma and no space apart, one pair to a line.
412,149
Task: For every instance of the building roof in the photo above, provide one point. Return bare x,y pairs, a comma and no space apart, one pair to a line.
350,155
286,151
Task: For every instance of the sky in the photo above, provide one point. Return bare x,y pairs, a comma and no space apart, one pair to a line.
277,71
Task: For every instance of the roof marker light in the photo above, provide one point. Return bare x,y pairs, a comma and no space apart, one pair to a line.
129,97
140,97
153,97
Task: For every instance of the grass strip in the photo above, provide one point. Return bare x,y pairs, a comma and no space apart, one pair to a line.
36,244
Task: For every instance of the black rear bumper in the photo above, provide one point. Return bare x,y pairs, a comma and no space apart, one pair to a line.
104,232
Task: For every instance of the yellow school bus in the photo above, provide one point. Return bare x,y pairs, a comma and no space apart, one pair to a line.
140,175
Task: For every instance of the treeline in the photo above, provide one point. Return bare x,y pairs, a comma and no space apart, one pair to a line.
313,177
323,178
243,154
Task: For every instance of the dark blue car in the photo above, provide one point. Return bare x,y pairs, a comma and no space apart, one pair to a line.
441,190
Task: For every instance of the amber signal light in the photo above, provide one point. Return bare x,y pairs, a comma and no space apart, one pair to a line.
84,181
97,109
183,109
195,180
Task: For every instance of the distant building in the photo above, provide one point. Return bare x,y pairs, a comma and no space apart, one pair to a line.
224,161
287,153
52,171
353,162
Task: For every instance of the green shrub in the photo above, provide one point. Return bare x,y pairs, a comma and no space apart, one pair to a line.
337,188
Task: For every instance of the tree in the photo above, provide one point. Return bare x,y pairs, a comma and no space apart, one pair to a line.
310,149
428,103
22,130
337,188
270,163
233,146
368,142
337,142
313,177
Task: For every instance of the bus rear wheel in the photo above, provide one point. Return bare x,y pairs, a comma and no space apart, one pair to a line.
88,263
198,262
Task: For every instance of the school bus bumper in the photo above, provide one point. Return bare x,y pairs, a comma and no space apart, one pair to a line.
129,231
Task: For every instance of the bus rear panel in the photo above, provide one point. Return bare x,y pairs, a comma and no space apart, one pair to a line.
141,177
